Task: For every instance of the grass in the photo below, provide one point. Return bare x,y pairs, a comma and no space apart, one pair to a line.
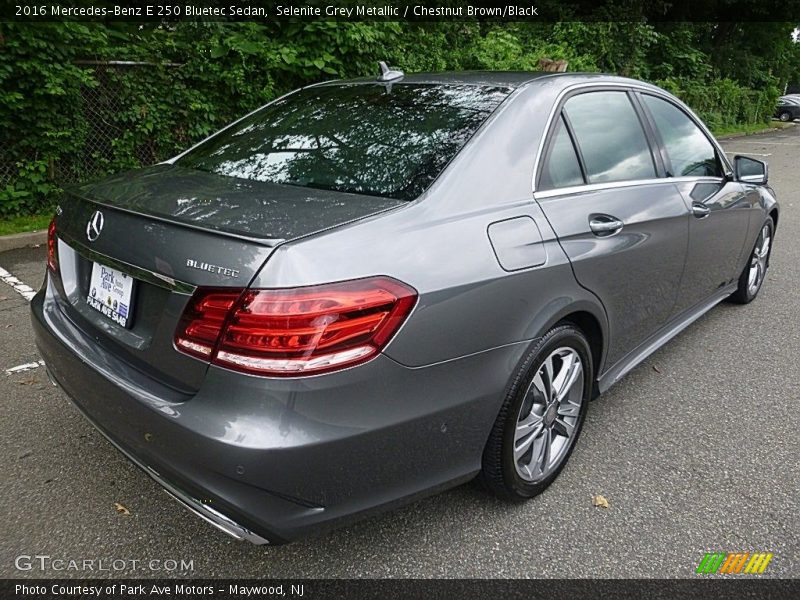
748,128
25,223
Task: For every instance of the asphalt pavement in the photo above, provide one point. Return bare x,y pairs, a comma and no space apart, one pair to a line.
697,450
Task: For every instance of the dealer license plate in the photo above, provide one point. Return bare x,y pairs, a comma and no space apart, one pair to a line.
110,293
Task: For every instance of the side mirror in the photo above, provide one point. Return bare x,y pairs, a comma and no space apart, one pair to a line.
750,170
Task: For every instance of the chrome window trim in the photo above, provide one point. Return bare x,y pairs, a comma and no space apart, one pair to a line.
610,185
633,86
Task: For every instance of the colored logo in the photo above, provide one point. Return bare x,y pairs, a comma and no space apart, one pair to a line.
734,563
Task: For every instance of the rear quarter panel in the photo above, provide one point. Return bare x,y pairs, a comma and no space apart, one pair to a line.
439,245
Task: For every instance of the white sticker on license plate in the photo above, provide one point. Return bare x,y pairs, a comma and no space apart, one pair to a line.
110,293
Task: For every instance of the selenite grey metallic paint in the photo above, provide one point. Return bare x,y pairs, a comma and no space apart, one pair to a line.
496,264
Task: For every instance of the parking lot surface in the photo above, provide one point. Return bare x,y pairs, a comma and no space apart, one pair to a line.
697,450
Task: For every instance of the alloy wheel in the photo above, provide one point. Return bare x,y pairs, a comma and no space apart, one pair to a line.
758,262
548,415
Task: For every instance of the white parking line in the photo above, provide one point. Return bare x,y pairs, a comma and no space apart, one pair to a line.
22,289
26,292
748,152
762,143
26,367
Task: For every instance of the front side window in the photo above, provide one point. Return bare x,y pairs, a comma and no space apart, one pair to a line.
561,167
689,150
365,139
610,136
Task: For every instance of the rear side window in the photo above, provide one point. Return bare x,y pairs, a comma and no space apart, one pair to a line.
610,136
379,140
561,167
689,150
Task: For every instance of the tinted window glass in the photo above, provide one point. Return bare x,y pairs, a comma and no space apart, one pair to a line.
561,167
610,137
689,150
363,139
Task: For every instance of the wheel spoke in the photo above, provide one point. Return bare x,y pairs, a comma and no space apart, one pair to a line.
538,384
547,377
526,426
541,452
764,248
567,361
568,409
522,445
751,277
561,427
572,371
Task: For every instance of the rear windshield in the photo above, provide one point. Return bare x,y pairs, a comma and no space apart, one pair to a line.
390,141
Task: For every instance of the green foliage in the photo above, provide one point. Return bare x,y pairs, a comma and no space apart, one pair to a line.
507,49
723,103
64,120
28,193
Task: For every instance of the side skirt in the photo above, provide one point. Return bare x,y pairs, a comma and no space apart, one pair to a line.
628,362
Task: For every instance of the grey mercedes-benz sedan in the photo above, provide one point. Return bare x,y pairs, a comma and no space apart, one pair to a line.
374,289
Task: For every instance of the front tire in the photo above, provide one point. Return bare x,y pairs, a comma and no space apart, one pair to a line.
755,271
541,417
785,117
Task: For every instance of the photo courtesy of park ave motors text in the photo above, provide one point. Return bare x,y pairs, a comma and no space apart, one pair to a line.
289,296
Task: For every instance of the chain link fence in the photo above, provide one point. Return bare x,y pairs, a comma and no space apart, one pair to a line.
99,105
8,170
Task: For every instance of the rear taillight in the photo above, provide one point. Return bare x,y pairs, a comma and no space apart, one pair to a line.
295,331
52,247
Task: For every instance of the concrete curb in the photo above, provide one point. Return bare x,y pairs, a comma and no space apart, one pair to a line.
733,136
22,240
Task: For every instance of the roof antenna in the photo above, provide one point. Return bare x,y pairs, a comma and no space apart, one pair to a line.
388,74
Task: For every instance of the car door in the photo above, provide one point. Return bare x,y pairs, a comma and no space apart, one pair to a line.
718,205
622,226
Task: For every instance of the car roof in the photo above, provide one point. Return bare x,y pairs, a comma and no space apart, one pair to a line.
509,79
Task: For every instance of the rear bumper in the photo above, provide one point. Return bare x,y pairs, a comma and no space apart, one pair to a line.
194,505
272,460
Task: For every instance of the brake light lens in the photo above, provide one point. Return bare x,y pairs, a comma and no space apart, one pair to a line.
295,331
52,247
203,319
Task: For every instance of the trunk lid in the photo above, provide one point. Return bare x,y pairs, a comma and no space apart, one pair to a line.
258,210
173,229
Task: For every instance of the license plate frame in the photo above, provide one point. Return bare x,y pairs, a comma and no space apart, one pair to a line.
111,293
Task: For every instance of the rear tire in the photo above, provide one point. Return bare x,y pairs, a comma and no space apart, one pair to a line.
755,271
541,417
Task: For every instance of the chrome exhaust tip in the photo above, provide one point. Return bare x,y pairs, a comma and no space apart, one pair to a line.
215,518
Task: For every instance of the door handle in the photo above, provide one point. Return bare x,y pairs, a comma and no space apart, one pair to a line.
605,225
700,210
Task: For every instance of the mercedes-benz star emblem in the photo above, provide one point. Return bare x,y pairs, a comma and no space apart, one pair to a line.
94,226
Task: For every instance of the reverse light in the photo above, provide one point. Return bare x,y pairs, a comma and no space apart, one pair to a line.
52,247
294,331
